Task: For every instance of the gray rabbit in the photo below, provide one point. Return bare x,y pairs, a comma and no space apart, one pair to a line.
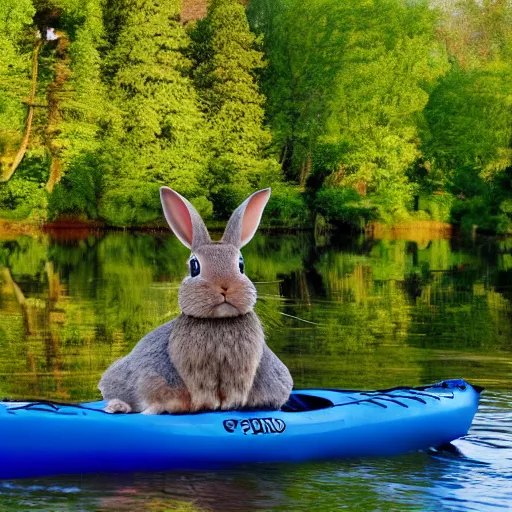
213,355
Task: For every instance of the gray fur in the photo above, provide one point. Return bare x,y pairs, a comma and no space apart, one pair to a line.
233,232
127,379
214,354
272,384
226,355
201,296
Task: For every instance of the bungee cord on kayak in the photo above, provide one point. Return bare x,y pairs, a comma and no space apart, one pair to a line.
373,398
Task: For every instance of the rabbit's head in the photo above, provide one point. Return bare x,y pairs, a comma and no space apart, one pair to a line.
216,286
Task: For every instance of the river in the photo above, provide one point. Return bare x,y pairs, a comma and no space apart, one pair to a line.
343,311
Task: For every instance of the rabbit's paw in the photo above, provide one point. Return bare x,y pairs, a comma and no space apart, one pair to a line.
177,406
204,403
154,409
234,401
116,405
174,406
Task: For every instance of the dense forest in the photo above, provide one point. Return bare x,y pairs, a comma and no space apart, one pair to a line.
352,110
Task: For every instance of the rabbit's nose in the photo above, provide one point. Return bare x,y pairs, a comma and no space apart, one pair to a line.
224,290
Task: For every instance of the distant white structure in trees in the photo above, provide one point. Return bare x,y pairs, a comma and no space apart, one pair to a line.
51,35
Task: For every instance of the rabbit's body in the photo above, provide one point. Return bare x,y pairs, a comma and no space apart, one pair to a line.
214,354
227,375
127,379
226,357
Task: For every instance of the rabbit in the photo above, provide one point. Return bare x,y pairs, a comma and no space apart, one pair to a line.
213,355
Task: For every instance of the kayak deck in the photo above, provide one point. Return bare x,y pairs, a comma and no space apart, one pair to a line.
44,438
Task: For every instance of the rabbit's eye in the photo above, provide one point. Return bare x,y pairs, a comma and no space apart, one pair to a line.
241,265
194,267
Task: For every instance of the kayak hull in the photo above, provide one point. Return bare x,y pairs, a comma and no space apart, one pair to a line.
44,438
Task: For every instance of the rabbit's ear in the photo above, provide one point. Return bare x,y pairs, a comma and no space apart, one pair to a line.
245,219
183,219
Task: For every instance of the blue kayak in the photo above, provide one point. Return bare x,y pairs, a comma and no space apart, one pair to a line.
48,438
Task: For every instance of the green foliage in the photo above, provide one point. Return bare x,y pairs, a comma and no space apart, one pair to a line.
24,196
347,94
35,167
83,101
302,47
15,53
203,206
437,206
480,212
354,108
469,116
227,62
343,205
346,91
155,134
76,195
393,203
287,207
392,61
130,204
20,199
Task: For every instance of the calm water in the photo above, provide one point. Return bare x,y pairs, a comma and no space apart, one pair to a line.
344,312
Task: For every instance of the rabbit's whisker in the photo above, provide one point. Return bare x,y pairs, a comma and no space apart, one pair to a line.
297,318
271,297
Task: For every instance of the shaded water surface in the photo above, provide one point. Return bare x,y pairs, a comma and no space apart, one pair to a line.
344,312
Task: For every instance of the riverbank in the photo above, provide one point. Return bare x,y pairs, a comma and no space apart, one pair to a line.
74,229
417,231
377,314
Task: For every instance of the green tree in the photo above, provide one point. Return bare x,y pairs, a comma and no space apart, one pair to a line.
228,61
15,64
156,131
390,65
303,48
469,118
82,103
347,90
469,114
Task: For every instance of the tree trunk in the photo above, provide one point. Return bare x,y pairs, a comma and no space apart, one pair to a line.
55,92
305,171
30,116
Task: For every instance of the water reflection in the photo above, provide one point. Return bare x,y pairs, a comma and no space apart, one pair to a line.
345,312
356,312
